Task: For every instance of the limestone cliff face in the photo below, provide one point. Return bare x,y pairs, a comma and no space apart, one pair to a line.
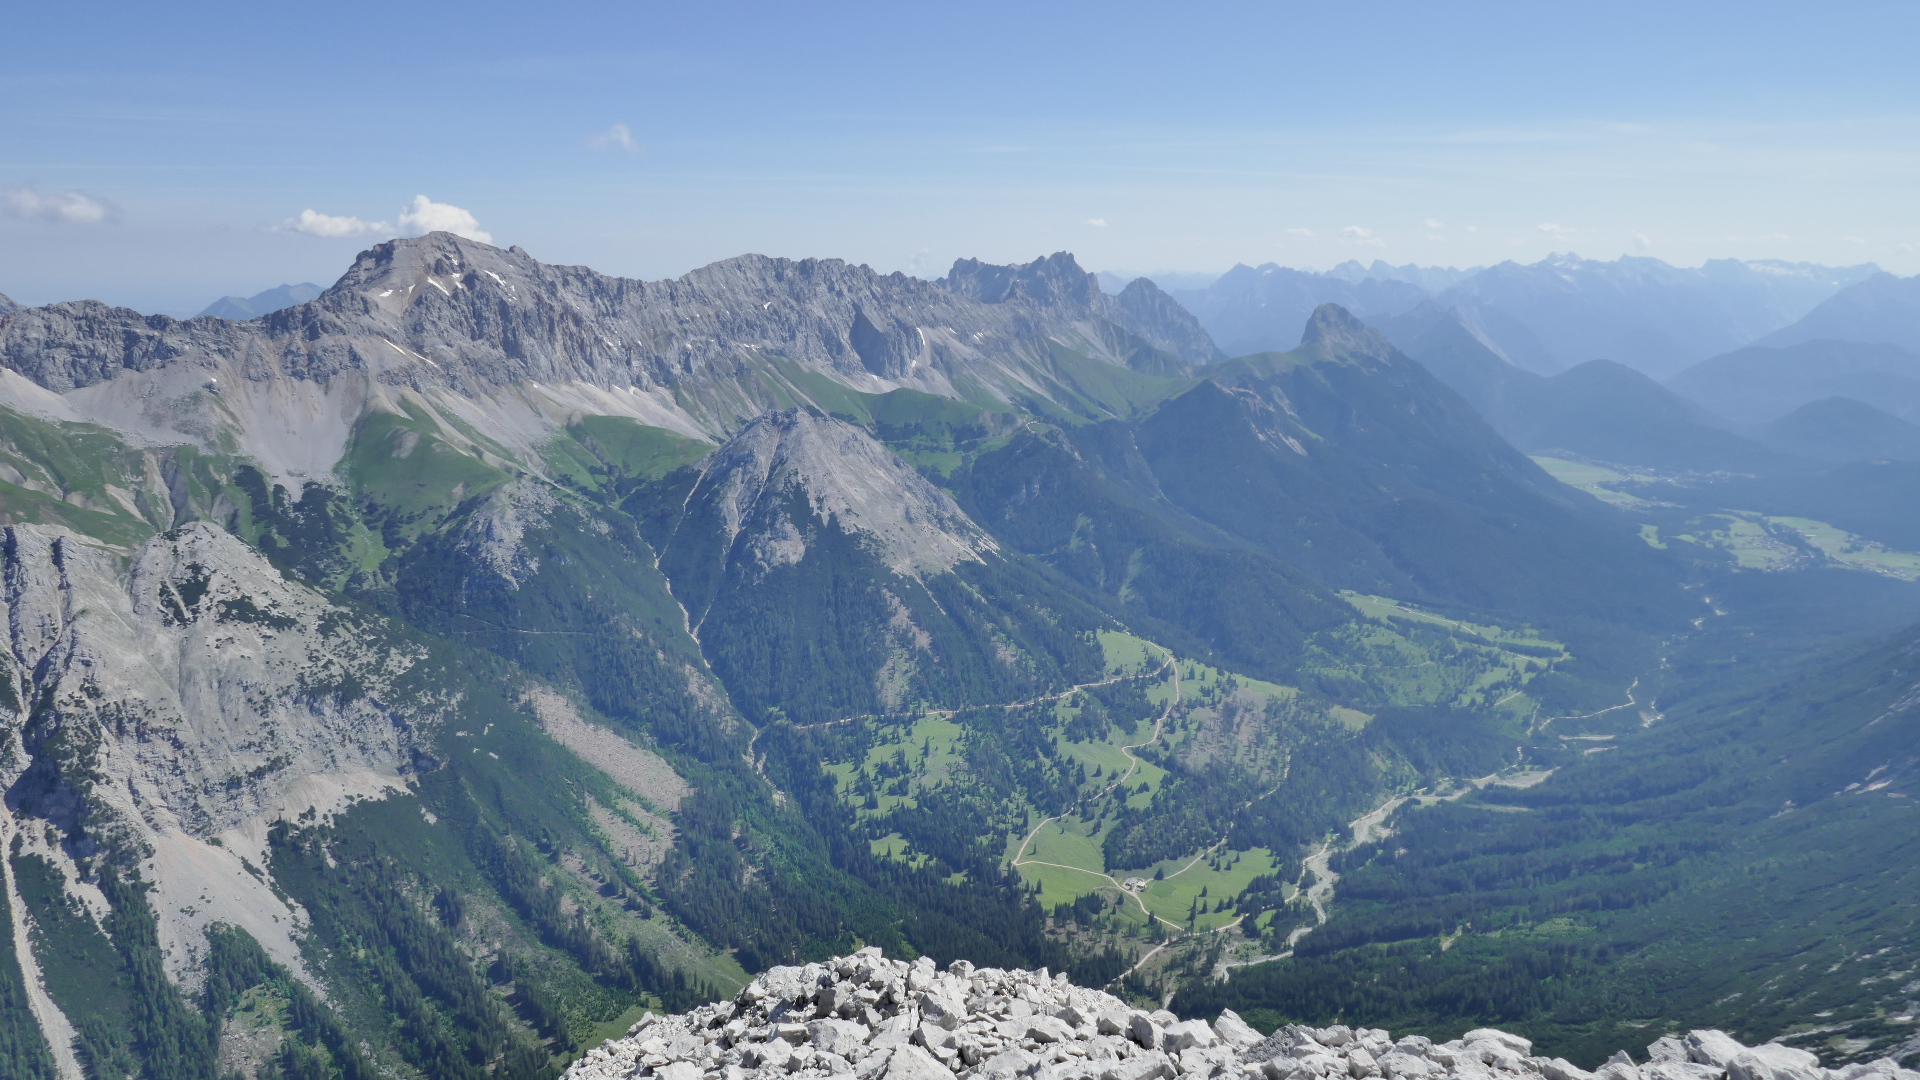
166,707
784,468
442,309
823,577
1152,313
512,346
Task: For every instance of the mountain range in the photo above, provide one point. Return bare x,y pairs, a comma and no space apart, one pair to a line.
1550,315
428,678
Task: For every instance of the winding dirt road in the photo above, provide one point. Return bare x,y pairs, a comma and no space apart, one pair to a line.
1159,725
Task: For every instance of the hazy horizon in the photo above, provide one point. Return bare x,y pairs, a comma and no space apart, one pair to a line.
165,158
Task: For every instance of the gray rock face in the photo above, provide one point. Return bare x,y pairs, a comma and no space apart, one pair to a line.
496,532
1716,1048
1058,282
440,317
754,484
66,346
1771,1061
182,699
7,305
862,1015
1153,314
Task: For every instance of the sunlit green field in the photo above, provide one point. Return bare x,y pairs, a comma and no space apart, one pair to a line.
1591,479
1845,549
1076,869
1761,542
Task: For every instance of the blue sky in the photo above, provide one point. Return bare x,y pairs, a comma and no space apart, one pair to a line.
154,155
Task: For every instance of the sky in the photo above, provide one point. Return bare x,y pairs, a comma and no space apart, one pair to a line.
160,156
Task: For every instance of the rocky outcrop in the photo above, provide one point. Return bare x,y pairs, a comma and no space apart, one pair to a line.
494,535
869,1018
1334,331
762,490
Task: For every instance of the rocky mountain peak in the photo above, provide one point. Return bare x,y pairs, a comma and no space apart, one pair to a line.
391,277
1335,331
1150,310
1058,285
756,483
7,305
1056,280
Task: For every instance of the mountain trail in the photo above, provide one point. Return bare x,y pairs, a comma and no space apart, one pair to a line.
758,762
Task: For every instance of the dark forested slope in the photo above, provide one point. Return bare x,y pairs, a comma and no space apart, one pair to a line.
1750,862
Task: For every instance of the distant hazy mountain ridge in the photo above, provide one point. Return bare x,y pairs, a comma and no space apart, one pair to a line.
1256,309
1762,383
1881,308
1599,410
1545,316
1844,429
241,308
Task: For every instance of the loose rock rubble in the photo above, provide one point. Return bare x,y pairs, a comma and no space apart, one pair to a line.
864,1017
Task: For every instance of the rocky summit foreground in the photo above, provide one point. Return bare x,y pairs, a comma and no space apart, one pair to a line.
871,1018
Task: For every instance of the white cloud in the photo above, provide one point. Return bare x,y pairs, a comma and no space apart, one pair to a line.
619,135
425,216
1641,241
1434,224
1557,231
1097,222
314,223
25,201
1854,240
1354,234
1473,228
1299,232
1436,238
